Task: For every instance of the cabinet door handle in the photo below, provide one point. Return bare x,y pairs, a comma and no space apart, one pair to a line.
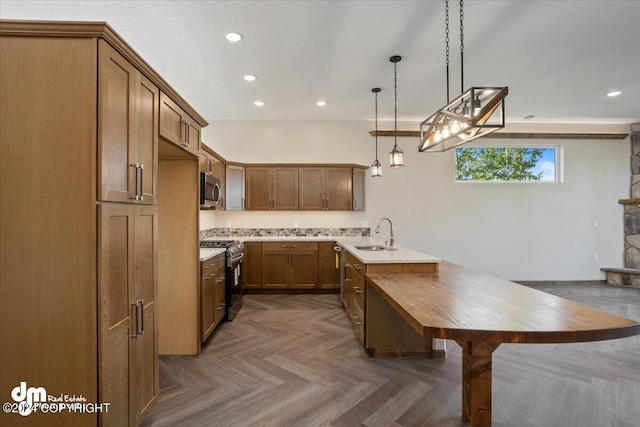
138,314
221,306
141,181
289,246
135,195
358,266
243,203
220,280
355,203
210,276
347,280
357,289
327,204
186,131
357,321
135,317
141,317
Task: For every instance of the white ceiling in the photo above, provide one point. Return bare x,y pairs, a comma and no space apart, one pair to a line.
559,58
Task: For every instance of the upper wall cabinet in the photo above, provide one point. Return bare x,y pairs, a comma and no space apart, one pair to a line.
325,188
127,130
314,188
235,188
178,127
358,189
271,188
212,165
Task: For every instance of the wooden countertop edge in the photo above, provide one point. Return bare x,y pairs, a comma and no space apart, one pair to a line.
505,336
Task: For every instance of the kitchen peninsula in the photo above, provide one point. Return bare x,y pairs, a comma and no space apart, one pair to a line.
310,264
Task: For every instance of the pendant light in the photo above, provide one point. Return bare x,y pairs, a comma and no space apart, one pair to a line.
376,167
396,157
475,113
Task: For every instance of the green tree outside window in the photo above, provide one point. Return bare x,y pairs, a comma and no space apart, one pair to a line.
505,164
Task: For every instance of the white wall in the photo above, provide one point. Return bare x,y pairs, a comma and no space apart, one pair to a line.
517,231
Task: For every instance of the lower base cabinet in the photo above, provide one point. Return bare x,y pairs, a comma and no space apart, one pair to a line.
290,265
252,265
127,321
382,331
212,294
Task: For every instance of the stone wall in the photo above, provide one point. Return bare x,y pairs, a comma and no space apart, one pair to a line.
632,212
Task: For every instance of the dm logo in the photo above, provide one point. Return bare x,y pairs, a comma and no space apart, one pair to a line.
27,397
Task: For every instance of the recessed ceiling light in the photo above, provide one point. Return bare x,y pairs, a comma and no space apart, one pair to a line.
321,103
233,37
258,103
250,77
614,93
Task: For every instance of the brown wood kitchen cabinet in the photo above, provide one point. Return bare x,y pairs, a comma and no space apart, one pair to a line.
127,327
85,107
234,191
178,127
325,188
127,130
328,273
211,164
252,273
358,189
382,335
212,294
354,294
290,265
271,188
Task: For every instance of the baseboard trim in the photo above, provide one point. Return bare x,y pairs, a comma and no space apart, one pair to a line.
559,282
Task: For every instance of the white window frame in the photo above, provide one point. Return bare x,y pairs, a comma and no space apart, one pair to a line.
559,165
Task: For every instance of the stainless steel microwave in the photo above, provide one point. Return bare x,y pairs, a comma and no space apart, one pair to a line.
210,192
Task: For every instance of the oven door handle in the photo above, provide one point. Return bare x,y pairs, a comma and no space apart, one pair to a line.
237,258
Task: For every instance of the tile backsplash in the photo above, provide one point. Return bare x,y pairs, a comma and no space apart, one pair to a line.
270,232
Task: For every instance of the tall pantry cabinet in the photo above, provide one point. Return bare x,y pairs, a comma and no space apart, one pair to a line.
78,220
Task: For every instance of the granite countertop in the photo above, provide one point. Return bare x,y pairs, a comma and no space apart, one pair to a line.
208,253
401,256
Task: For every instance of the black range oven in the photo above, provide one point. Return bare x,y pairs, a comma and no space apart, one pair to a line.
233,273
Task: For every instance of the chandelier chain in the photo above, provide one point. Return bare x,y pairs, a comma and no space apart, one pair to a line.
461,46
446,22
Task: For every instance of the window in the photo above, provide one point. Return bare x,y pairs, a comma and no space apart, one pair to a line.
508,164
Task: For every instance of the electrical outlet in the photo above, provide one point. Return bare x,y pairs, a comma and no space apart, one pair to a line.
364,224
595,222
596,258
228,224
296,223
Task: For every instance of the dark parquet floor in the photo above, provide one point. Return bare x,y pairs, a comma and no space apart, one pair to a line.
294,360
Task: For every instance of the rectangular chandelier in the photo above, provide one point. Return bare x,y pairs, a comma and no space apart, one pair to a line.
476,113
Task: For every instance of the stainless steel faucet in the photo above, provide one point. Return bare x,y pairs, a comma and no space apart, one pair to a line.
391,239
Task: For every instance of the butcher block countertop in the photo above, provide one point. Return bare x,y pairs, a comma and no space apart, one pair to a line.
463,305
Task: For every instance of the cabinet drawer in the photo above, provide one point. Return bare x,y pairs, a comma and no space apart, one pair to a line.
290,246
357,318
358,266
216,263
359,292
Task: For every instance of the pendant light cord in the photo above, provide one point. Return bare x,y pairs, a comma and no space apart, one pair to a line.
395,106
461,49
376,126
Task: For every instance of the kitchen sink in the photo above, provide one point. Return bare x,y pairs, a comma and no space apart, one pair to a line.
375,248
